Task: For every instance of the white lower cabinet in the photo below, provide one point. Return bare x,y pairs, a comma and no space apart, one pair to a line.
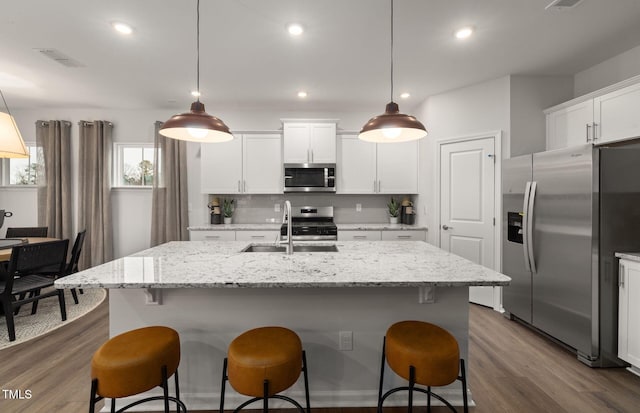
359,235
405,235
257,236
629,313
212,235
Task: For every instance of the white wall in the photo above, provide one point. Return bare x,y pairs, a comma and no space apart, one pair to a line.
616,69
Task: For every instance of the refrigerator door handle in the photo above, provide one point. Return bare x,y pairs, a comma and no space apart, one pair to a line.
531,209
525,228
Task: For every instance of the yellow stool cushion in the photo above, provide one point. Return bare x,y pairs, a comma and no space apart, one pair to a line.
131,363
271,353
432,350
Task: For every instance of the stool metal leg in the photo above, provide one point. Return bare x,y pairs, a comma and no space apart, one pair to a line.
306,380
412,383
265,398
165,388
113,405
463,379
177,391
222,387
384,340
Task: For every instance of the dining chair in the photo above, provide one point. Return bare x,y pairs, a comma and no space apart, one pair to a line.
26,232
21,278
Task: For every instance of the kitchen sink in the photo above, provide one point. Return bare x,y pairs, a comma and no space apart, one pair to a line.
296,248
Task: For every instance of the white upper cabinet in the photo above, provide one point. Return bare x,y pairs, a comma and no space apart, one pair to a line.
221,167
356,167
604,116
262,164
570,126
309,142
616,115
398,168
248,164
369,168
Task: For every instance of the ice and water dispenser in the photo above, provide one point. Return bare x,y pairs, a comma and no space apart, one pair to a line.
514,227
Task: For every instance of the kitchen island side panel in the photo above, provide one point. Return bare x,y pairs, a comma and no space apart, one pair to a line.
208,319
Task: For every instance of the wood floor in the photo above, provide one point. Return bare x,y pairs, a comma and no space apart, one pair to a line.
511,370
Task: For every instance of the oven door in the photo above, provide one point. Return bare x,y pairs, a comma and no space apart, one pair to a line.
309,178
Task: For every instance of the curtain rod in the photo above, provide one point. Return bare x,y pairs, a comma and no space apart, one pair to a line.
46,123
90,123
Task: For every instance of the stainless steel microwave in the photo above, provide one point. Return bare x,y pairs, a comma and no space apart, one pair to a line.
309,177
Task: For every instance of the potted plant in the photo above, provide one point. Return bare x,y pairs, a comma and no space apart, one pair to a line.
394,211
227,210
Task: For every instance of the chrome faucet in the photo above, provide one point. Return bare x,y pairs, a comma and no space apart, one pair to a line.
286,218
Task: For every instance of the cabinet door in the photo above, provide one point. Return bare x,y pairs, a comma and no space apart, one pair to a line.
398,168
405,235
347,235
629,311
616,115
221,167
323,142
296,142
570,126
212,235
356,168
262,164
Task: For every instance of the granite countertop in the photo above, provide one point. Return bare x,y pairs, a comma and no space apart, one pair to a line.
220,264
276,227
631,256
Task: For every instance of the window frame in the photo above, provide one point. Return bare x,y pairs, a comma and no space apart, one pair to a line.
118,163
6,169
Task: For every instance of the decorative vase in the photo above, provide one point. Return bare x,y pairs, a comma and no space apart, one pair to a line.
393,220
227,220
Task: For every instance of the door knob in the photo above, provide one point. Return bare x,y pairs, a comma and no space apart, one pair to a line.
446,227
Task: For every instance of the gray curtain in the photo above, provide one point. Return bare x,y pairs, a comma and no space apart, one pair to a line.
94,193
53,139
169,214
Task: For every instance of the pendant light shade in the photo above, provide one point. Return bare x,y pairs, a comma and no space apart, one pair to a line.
11,143
196,125
392,126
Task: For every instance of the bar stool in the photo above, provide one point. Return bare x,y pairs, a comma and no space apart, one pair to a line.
134,362
424,354
264,362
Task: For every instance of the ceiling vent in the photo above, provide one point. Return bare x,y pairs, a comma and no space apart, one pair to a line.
60,57
563,4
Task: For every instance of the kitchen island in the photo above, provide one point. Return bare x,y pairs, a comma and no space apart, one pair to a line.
210,292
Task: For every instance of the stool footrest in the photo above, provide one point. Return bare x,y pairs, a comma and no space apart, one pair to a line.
179,404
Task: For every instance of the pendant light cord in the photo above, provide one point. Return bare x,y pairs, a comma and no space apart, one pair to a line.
5,104
391,51
198,50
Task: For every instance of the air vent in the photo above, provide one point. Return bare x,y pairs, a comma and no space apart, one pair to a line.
60,57
563,4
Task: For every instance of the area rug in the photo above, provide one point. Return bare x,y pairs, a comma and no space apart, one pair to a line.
48,316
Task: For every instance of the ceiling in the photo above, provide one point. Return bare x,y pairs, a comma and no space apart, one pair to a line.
249,60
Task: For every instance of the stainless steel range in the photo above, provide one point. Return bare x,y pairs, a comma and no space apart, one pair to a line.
311,224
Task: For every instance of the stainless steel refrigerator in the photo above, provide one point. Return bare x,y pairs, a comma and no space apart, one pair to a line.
565,213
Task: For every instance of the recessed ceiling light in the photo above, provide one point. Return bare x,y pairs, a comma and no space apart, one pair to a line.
302,94
295,29
464,32
122,27
195,93
405,95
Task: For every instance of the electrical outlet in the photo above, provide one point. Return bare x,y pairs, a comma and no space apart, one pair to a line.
358,207
276,207
346,340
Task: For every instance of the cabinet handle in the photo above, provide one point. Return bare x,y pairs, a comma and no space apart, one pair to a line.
404,236
374,186
212,236
379,186
244,186
311,155
360,237
594,137
239,190
257,236
588,128
308,155
621,276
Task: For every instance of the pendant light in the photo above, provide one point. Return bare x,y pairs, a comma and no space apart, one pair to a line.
392,126
196,125
11,143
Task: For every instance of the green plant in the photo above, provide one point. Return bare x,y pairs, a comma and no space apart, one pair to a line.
227,207
394,208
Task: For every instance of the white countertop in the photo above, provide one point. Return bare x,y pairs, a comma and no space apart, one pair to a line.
631,256
276,227
220,264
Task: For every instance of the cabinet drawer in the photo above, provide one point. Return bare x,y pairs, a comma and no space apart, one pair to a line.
213,236
256,236
404,235
358,235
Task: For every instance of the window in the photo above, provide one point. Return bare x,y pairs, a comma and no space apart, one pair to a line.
22,171
133,165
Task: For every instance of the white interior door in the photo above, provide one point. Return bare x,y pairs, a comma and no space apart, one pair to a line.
467,198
